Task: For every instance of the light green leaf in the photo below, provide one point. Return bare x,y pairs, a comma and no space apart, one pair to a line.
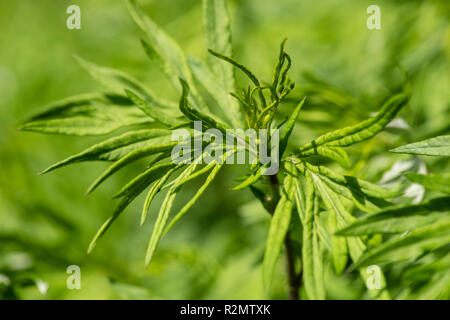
194,199
113,148
363,186
216,24
410,246
399,219
159,145
170,58
311,252
253,178
162,218
129,193
359,132
153,111
148,176
241,67
337,154
290,126
155,188
279,225
438,146
117,81
196,115
437,182
86,114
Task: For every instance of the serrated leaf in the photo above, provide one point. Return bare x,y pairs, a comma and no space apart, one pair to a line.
438,146
359,132
86,114
112,149
279,225
399,219
436,182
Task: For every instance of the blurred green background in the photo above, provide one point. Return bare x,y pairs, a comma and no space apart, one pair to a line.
215,252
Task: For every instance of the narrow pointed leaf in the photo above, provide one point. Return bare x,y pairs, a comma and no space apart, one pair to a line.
86,114
361,131
290,126
410,246
154,111
130,158
216,23
171,58
399,219
279,225
437,182
438,146
311,253
114,148
194,199
162,218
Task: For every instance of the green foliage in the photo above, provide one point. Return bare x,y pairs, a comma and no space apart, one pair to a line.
340,215
438,146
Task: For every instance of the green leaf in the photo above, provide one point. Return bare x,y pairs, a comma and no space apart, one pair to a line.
337,154
359,132
129,193
363,186
196,115
148,176
241,67
153,111
216,24
113,148
155,188
117,81
249,180
438,146
86,114
162,218
171,58
340,215
290,126
436,182
279,225
160,145
223,99
399,219
338,245
408,246
194,199
311,252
